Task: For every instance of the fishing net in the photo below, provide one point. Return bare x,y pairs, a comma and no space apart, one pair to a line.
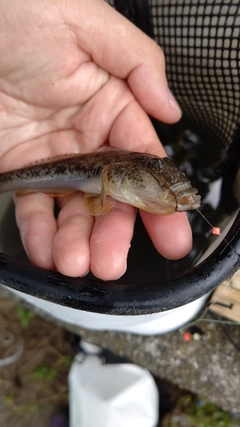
200,40
201,43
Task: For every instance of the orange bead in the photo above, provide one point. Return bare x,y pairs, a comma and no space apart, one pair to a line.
216,230
187,336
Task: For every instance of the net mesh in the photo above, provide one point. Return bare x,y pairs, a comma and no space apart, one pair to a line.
200,40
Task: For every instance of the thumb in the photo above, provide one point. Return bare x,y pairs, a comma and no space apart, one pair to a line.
121,49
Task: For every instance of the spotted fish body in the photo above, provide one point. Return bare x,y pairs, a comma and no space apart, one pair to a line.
143,180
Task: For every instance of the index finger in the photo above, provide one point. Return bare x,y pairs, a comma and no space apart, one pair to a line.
120,48
170,234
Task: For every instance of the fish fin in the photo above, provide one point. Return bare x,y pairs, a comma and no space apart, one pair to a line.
112,149
51,159
96,206
52,193
103,195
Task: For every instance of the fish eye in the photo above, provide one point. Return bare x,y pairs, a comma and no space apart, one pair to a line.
155,164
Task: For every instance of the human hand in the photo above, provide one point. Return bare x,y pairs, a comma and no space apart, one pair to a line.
74,77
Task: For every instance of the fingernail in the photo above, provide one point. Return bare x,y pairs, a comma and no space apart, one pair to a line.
172,101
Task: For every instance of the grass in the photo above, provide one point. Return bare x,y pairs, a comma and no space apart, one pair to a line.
25,316
43,372
193,411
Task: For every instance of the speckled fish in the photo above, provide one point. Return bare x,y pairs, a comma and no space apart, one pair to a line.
143,180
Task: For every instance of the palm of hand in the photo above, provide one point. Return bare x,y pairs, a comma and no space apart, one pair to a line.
55,99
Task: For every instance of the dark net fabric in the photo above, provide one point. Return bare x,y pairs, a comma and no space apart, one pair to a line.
201,40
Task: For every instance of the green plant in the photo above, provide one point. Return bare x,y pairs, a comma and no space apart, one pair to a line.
25,407
24,316
43,372
8,399
206,414
29,407
66,360
192,412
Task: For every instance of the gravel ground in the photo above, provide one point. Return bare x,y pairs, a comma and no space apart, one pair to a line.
209,366
35,385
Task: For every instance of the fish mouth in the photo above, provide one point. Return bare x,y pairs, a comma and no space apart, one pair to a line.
188,203
158,208
186,197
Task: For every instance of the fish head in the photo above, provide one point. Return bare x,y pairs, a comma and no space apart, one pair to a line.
178,184
155,185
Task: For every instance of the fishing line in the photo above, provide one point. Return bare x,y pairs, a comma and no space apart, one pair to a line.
227,284
221,323
207,320
217,231
215,301
213,228
207,310
213,320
